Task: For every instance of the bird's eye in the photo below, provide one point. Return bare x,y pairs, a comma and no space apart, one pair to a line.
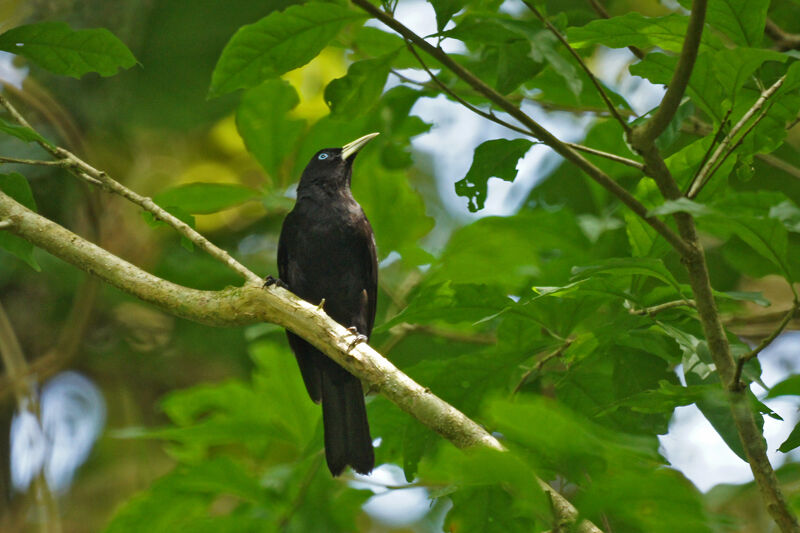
322,156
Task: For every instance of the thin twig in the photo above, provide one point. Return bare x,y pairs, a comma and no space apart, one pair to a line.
780,164
763,344
783,40
600,10
613,157
6,224
497,120
705,172
540,364
650,130
537,130
654,310
4,159
609,104
297,501
85,171
736,145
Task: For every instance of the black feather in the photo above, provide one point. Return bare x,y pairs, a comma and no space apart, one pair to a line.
327,251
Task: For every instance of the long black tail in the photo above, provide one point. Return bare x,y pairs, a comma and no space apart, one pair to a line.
344,416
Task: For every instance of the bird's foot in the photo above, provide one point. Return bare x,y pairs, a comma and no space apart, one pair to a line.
359,338
270,281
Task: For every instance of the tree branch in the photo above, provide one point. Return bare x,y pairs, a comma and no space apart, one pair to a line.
252,304
654,310
609,104
763,344
86,172
536,129
707,170
497,120
650,130
783,40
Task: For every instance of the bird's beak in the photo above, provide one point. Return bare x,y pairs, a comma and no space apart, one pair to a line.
351,149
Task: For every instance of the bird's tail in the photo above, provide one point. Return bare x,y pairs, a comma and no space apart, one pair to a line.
344,416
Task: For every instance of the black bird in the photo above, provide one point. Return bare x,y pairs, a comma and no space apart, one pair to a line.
326,253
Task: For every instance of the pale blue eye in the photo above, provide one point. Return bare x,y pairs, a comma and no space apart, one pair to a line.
323,156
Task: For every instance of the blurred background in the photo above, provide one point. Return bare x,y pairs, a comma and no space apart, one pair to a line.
105,362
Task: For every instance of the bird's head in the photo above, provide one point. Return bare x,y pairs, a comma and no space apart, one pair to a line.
331,168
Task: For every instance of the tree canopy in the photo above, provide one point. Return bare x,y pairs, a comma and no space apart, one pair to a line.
522,366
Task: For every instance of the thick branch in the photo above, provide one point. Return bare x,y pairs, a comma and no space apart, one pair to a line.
252,304
650,131
536,129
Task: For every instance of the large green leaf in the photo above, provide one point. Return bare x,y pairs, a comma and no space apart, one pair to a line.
395,210
263,122
445,9
453,303
629,266
278,43
632,29
742,21
204,198
497,158
62,50
16,186
359,90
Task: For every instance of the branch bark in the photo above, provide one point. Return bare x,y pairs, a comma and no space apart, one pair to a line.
650,130
643,142
251,304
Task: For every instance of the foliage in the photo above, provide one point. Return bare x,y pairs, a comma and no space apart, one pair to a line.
545,326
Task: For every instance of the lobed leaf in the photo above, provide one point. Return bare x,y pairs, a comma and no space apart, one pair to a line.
496,158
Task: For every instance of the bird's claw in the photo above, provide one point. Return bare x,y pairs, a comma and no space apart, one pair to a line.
270,281
359,338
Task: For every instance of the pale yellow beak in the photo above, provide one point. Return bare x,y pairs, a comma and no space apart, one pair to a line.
351,149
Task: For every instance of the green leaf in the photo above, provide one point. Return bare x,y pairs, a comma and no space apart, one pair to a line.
359,90
788,387
451,303
62,50
204,198
280,42
632,29
263,122
792,441
496,491
704,88
496,158
734,66
17,187
445,9
681,205
384,194
21,132
629,266
766,236
741,20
